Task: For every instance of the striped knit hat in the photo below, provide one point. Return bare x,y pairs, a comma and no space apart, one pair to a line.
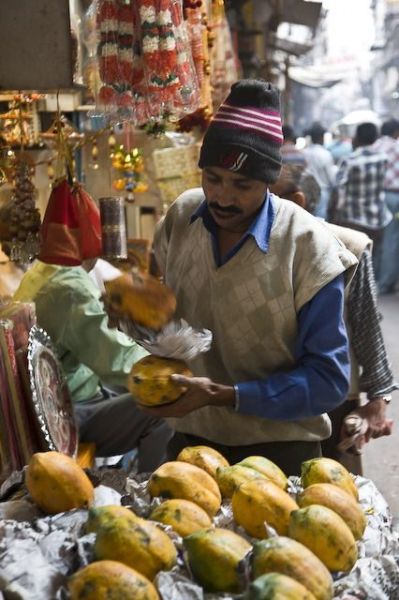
245,134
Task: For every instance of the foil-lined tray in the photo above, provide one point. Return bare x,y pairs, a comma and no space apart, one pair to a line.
50,395
38,554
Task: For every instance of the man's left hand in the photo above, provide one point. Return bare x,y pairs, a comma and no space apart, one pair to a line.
201,392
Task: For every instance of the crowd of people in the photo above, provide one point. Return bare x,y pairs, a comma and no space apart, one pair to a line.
290,300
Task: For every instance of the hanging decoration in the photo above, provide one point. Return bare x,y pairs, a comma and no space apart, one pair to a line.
24,216
129,167
145,62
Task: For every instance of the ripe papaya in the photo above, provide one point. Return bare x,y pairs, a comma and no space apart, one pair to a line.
230,478
106,515
177,479
327,470
56,483
275,586
267,468
149,380
260,501
142,546
214,556
183,516
288,557
203,457
324,532
339,501
110,580
141,298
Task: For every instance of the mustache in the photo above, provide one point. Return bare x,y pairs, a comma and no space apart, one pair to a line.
229,210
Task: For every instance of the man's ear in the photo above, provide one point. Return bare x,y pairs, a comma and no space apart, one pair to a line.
300,199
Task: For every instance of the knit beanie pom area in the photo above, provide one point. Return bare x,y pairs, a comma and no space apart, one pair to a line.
245,134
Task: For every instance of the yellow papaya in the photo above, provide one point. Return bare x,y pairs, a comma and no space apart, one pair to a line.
56,483
106,515
177,479
149,380
276,586
203,457
230,478
141,298
288,557
183,516
324,532
327,470
339,501
260,501
142,546
110,580
267,468
214,556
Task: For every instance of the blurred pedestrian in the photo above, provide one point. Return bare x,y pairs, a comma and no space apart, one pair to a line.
341,145
389,144
321,165
371,372
289,152
360,196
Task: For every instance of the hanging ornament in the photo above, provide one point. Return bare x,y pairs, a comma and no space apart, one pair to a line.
129,166
94,156
111,144
25,217
50,171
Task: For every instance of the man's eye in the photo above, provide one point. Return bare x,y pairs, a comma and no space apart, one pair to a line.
243,186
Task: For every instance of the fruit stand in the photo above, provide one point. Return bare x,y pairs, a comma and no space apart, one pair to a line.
190,532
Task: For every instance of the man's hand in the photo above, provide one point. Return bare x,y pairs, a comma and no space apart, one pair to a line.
201,391
378,425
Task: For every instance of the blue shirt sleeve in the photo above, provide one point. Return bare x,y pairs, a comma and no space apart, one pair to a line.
320,380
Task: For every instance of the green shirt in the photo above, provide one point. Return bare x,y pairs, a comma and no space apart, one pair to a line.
69,309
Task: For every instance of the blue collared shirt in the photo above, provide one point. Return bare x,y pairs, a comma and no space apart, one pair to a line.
320,380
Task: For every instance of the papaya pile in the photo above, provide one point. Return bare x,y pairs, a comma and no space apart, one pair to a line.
288,543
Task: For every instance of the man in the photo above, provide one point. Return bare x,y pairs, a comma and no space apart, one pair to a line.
360,199
93,356
289,152
321,164
268,281
388,143
370,369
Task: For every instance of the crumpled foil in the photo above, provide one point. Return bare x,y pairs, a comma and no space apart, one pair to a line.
176,340
38,554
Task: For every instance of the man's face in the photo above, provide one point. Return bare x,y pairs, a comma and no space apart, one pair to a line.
233,199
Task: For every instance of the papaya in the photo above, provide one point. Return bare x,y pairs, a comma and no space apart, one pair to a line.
339,501
57,484
110,580
214,556
142,299
276,586
203,457
142,546
324,532
230,478
149,380
177,479
267,468
327,470
288,557
260,501
106,515
183,516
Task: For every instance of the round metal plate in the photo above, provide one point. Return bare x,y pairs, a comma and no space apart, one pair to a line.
50,395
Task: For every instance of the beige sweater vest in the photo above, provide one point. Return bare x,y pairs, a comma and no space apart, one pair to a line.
251,305
357,242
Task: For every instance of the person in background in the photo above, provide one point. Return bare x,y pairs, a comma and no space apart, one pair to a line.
359,201
371,372
321,164
389,144
95,358
289,152
268,281
341,145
